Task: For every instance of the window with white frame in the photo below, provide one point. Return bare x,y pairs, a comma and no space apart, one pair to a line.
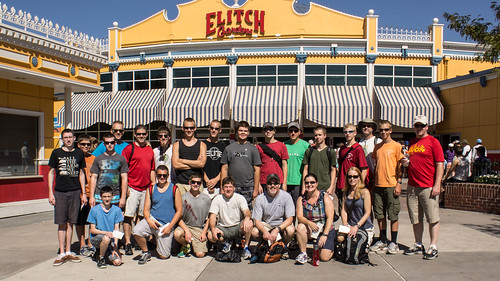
142,79
209,76
336,74
266,75
405,76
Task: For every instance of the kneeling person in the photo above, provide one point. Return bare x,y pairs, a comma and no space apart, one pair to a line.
273,213
225,218
193,226
104,219
162,211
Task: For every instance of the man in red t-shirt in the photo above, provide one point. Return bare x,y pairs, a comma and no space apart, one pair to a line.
141,175
273,155
350,155
425,171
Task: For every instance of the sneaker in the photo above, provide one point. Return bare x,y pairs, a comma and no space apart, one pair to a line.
184,251
101,263
392,248
301,258
59,260
246,254
86,251
431,253
227,247
378,246
72,257
128,250
285,255
414,249
145,257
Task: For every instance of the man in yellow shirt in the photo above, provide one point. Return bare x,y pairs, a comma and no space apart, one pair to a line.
387,156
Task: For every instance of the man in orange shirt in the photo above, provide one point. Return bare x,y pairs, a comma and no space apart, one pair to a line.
386,157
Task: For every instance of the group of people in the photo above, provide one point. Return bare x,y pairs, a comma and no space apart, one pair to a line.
196,191
464,163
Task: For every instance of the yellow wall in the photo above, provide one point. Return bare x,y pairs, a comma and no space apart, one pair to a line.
461,67
18,95
474,112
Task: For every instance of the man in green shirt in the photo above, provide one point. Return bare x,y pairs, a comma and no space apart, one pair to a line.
296,148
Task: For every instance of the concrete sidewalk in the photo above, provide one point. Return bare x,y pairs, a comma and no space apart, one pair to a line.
469,249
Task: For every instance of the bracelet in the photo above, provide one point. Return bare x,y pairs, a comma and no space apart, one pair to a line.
325,234
359,226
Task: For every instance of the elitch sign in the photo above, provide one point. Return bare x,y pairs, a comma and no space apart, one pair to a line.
220,23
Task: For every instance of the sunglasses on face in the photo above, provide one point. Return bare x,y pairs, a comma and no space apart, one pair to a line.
419,126
109,142
352,177
188,128
366,126
141,134
196,182
164,136
384,130
85,143
267,129
273,183
309,182
214,128
118,131
293,130
348,132
162,176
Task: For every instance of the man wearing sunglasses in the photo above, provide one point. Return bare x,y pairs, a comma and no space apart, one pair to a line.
274,156
211,171
117,131
296,148
141,176
163,153
425,172
387,178
193,227
109,169
368,141
189,156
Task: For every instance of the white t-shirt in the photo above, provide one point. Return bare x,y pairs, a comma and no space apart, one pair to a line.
368,146
165,159
229,211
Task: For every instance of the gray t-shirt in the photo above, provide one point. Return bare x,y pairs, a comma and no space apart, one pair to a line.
240,159
109,170
273,210
195,209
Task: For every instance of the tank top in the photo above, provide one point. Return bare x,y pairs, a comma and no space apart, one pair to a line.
355,211
315,212
462,169
162,204
188,153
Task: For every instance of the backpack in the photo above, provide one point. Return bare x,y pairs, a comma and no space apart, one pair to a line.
268,254
355,250
234,255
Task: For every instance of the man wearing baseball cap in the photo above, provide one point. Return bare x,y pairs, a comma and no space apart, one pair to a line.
425,171
296,148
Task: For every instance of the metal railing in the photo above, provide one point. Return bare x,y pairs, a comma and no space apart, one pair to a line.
486,172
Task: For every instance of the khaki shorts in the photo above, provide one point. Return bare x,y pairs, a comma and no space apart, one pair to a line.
421,202
385,204
183,188
198,246
135,203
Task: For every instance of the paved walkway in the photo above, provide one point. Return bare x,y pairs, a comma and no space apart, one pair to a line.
469,249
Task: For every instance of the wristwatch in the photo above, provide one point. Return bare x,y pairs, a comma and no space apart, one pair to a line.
279,229
325,234
400,181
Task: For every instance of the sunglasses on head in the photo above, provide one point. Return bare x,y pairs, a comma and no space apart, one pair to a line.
352,177
85,143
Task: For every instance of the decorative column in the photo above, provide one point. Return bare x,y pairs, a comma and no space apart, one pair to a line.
371,34
437,47
114,34
232,60
67,108
301,59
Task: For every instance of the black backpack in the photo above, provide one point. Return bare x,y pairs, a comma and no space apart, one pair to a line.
234,255
354,249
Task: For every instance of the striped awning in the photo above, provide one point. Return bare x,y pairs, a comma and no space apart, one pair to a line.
260,104
335,106
86,109
399,105
135,107
202,104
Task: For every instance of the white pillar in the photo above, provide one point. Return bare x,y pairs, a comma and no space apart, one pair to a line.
67,108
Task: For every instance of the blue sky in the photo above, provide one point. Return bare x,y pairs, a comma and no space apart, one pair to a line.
95,16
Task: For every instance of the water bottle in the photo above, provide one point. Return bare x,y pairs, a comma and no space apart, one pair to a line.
316,255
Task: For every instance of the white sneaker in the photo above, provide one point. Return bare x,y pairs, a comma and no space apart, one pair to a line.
302,258
392,248
378,246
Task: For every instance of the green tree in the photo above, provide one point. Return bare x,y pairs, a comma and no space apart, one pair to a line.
476,29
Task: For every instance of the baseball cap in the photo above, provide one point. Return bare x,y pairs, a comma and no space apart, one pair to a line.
422,119
272,176
293,124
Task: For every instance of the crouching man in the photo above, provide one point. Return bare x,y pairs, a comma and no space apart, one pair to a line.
225,218
162,211
104,219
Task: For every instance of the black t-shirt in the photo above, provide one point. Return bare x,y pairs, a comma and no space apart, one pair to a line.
214,153
67,166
